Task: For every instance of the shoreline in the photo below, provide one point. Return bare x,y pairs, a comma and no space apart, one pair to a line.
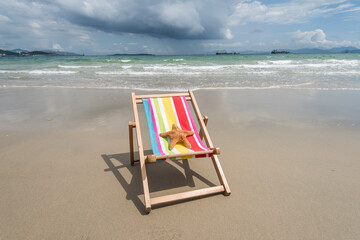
290,157
181,90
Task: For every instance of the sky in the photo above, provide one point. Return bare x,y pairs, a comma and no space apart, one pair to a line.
98,27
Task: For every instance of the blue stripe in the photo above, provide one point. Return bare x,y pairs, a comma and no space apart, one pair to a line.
153,141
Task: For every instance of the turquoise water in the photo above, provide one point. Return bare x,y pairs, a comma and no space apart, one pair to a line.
295,71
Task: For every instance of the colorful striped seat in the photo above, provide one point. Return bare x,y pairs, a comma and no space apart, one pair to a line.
161,114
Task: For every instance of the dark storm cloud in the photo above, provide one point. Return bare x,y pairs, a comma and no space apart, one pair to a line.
171,19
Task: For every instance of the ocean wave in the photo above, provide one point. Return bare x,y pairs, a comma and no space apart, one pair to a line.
78,66
187,67
179,73
229,67
196,72
118,60
344,61
174,60
279,62
50,72
126,73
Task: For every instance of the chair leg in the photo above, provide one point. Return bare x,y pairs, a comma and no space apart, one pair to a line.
145,184
141,156
221,174
131,141
142,167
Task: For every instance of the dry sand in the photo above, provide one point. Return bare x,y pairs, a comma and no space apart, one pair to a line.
291,158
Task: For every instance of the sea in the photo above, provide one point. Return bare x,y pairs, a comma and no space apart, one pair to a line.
178,73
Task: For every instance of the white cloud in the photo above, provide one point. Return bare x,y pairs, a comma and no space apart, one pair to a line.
295,11
223,45
4,18
92,25
228,34
317,39
34,24
179,15
314,38
159,18
84,37
57,47
37,25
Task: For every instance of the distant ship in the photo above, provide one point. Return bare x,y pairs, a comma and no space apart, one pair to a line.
226,53
275,51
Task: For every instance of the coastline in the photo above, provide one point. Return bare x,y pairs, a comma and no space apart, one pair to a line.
65,173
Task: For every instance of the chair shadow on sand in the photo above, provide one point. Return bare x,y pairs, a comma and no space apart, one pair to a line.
162,176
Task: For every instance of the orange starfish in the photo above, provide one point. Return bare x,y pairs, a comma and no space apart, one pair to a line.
177,135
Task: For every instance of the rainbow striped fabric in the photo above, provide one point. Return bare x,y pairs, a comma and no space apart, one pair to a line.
161,114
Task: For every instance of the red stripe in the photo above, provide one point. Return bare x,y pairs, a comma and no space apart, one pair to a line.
192,123
185,125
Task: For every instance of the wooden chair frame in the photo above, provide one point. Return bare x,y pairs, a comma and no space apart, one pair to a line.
149,202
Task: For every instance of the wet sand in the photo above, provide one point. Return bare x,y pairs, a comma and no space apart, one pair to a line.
291,158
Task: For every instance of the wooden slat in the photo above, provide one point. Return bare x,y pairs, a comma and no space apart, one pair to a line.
142,157
185,154
138,101
186,195
162,95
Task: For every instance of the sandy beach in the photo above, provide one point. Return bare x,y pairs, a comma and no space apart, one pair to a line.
291,158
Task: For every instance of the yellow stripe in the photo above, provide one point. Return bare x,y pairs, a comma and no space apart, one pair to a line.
170,115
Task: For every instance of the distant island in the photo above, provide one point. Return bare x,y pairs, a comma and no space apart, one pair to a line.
331,50
293,51
317,50
26,53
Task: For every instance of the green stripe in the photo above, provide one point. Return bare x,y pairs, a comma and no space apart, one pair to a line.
161,125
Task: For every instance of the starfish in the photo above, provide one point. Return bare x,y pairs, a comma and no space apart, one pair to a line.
177,135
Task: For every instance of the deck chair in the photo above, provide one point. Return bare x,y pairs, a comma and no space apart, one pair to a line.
163,110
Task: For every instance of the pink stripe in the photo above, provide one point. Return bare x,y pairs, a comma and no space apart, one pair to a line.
155,127
193,124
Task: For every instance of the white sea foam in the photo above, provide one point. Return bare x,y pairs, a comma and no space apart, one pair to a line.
125,60
78,66
126,67
279,62
127,73
185,67
342,73
50,72
174,59
344,61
